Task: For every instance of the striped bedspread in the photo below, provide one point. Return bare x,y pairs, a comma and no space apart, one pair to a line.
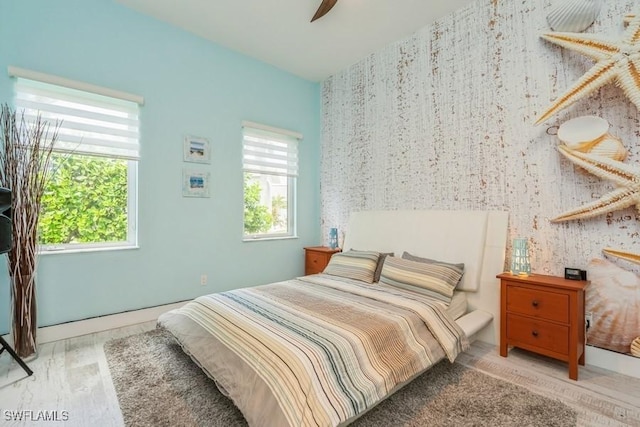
328,348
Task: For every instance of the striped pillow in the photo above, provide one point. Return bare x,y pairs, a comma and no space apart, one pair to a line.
383,255
359,265
436,280
460,266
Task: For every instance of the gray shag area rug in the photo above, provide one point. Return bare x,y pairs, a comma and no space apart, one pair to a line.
159,385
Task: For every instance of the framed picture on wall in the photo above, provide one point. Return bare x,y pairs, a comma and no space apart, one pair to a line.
195,183
196,150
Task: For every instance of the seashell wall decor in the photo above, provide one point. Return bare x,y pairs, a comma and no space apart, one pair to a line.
614,64
635,347
590,134
573,15
607,146
613,297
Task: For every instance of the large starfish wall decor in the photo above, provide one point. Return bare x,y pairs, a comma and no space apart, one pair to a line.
616,60
626,178
628,256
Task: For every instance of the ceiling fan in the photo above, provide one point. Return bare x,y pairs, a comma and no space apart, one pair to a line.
325,7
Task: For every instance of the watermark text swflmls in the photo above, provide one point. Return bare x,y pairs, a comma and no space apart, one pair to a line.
30,415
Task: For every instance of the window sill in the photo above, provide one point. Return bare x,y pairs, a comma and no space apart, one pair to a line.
262,239
86,249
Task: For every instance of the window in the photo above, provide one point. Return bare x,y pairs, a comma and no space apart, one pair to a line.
270,164
90,200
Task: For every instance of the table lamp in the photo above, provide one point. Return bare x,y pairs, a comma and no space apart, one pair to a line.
520,264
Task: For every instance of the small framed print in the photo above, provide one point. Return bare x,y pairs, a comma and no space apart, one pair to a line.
196,150
195,183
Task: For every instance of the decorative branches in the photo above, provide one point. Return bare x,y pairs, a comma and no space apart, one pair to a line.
25,166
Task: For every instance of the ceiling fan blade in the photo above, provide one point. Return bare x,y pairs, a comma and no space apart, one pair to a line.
325,7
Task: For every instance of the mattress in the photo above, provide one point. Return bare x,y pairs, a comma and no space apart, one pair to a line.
458,305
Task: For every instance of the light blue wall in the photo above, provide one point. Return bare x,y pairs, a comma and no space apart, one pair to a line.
190,86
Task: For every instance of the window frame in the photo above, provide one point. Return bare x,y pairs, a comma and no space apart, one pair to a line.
131,241
292,209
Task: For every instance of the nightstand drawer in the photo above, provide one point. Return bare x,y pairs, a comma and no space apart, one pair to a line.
315,262
538,303
316,258
537,333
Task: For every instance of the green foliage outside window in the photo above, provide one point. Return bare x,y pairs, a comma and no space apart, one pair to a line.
278,205
257,218
85,201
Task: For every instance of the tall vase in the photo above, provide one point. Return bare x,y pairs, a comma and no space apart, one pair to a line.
333,238
23,315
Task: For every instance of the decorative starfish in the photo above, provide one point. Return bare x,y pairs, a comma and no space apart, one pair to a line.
628,256
626,177
617,60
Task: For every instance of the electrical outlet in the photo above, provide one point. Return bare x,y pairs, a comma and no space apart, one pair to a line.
203,279
588,319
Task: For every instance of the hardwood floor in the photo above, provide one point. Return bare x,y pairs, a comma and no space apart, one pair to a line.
71,380
70,375
601,397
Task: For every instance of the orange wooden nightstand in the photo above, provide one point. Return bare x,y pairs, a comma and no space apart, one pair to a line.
543,314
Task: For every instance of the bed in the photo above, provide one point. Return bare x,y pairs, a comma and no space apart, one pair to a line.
322,350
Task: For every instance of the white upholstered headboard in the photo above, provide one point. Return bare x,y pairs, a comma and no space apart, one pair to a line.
477,238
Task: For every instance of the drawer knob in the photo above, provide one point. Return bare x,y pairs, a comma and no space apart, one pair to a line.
534,333
535,303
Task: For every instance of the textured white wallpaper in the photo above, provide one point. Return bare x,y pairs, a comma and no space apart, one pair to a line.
444,120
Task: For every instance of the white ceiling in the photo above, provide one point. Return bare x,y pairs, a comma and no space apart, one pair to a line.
279,32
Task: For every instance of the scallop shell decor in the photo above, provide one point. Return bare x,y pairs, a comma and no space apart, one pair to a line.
635,347
590,134
613,297
573,15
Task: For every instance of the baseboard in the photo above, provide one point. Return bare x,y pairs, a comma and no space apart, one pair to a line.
617,362
621,363
103,323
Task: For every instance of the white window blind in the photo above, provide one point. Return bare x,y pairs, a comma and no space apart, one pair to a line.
90,123
269,151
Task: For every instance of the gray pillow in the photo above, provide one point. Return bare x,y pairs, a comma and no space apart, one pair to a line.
383,255
407,255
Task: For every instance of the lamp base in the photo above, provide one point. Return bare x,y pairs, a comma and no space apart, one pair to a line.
521,274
